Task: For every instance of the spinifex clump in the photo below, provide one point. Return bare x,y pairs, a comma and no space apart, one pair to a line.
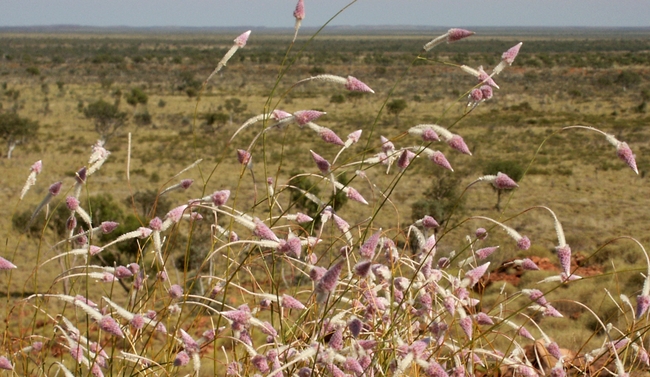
282,293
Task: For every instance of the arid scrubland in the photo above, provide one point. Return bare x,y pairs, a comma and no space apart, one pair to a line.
372,288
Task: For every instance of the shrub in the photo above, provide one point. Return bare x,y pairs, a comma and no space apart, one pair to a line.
107,118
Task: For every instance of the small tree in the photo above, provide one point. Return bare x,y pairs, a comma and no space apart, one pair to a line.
234,106
137,96
16,130
107,118
395,107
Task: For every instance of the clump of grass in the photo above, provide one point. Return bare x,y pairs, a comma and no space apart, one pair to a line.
236,279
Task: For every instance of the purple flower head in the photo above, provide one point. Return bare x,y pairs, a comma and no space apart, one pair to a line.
304,372
483,319
241,315
316,273
554,350
175,291
467,326
564,255
107,277
260,363
475,274
523,243
241,40
122,272
524,333
485,78
476,95
220,198
362,268
156,224
108,226
323,164
182,359
510,55
355,325
457,143
94,250
487,92
558,371
299,14
642,304
455,34
109,325
503,182
336,340
303,117
264,232
405,159
355,136
443,263
367,250
386,145
536,295
528,264
37,346
6,265
429,222
188,342
81,175
439,159
278,115
143,232
291,245
550,311
642,354
55,188
354,195
302,218
137,322
71,222
355,85
624,152
161,276
485,252
329,136
327,283
186,183
77,353
243,157
352,365
450,304
291,303
428,134
37,167
435,370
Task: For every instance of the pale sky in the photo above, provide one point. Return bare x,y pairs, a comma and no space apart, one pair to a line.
278,13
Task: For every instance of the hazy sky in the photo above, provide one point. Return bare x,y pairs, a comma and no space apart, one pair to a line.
278,13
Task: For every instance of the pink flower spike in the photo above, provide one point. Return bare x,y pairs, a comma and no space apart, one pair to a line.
485,78
564,255
523,243
291,303
305,116
278,115
175,291
439,159
302,218
137,322
323,164
55,188
405,159
476,95
429,222
457,143
156,224
186,183
182,359
220,198
176,214
367,250
386,145
263,231
455,34
37,167
327,283
529,265
481,234
6,265
483,319
429,134
121,272
510,55
329,136
355,85
435,370
474,275
487,92
503,182
485,252
354,195
108,226
467,326
299,12
525,333
355,136
642,304
243,157
241,40
624,152
109,325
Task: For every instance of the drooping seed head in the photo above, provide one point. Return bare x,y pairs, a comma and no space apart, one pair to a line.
483,77
186,183
121,272
503,182
481,234
278,115
264,232
642,304
528,264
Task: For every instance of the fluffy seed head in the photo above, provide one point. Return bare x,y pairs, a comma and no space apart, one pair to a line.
323,164
328,282
528,264
405,159
278,115
354,195
176,214
122,272
476,95
263,231
186,183
137,322
81,175
475,274
481,234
